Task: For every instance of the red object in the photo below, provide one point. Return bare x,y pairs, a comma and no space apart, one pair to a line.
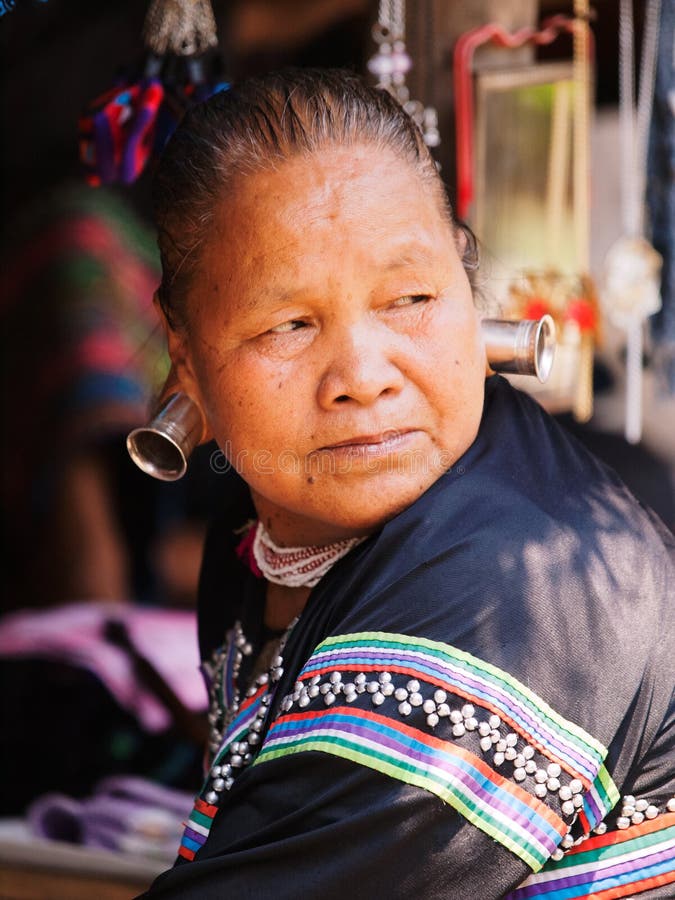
536,308
244,550
583,313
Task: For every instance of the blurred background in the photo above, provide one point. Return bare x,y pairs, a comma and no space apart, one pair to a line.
544,153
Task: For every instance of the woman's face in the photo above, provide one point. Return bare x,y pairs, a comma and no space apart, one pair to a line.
333,342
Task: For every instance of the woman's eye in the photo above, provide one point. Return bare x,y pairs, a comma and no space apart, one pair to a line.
287,327
411,299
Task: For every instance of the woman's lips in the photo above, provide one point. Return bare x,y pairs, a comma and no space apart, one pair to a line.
372,446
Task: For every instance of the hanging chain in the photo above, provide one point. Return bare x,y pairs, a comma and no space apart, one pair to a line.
391,64
634,129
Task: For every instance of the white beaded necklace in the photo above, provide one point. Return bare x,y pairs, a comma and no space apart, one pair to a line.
297,566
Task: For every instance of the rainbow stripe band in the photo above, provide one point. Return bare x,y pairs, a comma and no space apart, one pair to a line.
616,864
198,826
502,809
479,682
197,829
472,679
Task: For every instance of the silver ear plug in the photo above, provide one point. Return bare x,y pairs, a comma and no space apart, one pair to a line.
524,347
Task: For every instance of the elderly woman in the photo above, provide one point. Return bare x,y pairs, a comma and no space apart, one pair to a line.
437,640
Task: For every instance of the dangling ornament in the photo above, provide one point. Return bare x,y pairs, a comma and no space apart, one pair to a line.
126,126
632,266
181,27
391,64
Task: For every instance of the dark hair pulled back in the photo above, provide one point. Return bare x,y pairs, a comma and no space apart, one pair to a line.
253,126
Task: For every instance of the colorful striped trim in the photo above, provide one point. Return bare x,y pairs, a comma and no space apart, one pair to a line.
197,829
199,824
497,806
560,740
615,864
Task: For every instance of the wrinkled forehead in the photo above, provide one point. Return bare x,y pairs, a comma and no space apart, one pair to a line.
338,199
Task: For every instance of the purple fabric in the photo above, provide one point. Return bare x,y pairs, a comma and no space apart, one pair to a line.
75,634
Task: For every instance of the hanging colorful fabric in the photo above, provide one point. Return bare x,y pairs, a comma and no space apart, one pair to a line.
124,127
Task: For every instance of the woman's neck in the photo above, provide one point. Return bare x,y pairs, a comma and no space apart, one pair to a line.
283,604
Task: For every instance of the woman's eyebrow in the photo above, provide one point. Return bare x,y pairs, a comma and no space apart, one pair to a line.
411,255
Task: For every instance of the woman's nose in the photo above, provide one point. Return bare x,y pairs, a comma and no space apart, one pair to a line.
360,368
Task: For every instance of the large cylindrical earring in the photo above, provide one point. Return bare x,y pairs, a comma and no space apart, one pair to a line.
163,446
522,347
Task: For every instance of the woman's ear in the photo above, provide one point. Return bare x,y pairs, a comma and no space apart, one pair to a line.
181,377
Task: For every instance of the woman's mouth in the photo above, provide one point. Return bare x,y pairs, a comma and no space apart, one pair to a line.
371,446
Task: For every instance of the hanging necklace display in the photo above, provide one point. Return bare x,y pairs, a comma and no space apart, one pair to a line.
391,64
125,127
632,265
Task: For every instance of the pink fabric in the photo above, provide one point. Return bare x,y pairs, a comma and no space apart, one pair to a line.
74,634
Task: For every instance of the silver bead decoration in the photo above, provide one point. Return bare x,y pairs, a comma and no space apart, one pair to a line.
567,842
540,791
211,797
378,698
498,759
651,812
485,744
401,694
530,767
494,721
553,784
458,729
600,828
557,854
416,699
576,786
429,706
519,774
443,710
440,696
484,729
405,708
540,776
623,822
432,720
553,770
567,808
670,805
